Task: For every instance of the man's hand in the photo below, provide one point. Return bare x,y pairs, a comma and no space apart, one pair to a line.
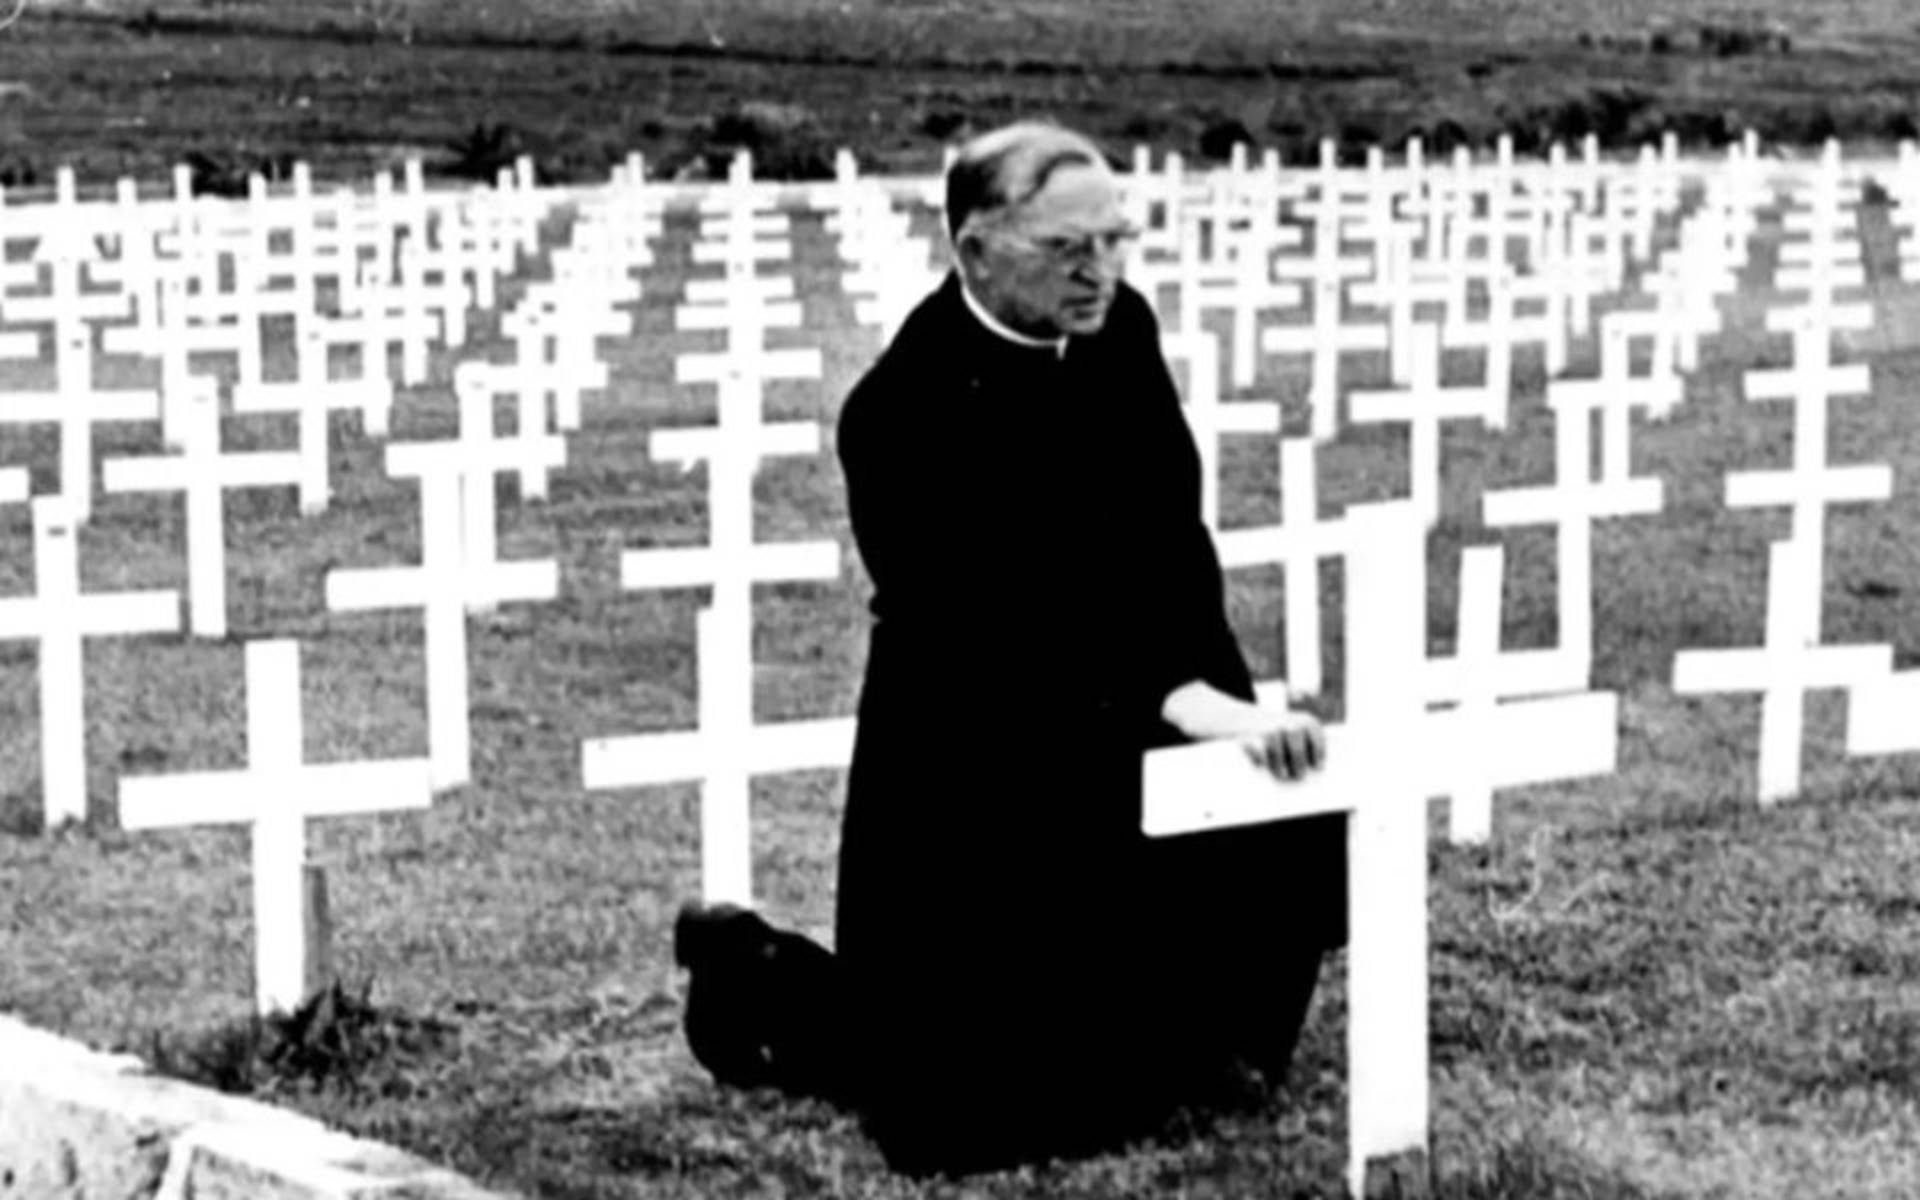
1284,743
1292,744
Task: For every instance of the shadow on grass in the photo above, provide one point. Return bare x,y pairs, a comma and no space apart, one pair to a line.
338,1041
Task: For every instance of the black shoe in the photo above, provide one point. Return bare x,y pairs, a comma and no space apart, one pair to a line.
762,1004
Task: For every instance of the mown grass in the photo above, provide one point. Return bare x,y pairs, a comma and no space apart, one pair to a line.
1642,988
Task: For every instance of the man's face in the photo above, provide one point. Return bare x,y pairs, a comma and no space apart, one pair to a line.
1051,266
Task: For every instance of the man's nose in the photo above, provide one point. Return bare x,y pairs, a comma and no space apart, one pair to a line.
1101,269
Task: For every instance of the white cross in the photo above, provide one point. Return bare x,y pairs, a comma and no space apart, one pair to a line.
1208,417
1297,544
727,748
451,578
1571,503
480,455
1496,335
1153,200
1788,664
73,403
311,393
376,316
203,473
1810,484
1249,288
426,286
60,616
169,325
135,263
1323,340
620,221
1423,404
1494,744
1371,774
746,237
469,243
275,794
745,366
555,360
1829,256
1400,289
896,286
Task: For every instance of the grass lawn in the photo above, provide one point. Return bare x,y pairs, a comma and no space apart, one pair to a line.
1642,987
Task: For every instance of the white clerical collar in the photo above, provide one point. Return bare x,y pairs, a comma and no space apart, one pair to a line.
1000,328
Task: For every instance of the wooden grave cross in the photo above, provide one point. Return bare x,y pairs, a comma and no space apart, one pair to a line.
452,578
623,218
73,403
727,748
1208,415
471,243
531,454
860,214
1399,290
1323,339
746,365
617,227
217,244
1153,200
739,237
60,616
1685,285
1571,503
168,264
1296,544
1249,288
375,317
1371,776
379,310
1327,216
1789,663
588,278
555,334
1824,259
134,263
275,794
311,393
1423,404
1199,260
1811,484
1504,729
203,473
312,396
1496,335
896,286
424,285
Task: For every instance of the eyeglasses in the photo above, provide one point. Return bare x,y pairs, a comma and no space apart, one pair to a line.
1085,248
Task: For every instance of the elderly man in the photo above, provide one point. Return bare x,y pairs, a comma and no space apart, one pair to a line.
1018,972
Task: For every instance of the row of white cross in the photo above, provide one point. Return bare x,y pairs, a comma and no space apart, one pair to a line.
1528,713
746,305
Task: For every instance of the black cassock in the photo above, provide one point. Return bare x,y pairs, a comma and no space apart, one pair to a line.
1026,972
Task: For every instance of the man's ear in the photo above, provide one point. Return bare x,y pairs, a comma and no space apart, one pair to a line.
967,249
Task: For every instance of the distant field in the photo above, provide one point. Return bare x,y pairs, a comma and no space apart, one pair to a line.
117,86
1136,29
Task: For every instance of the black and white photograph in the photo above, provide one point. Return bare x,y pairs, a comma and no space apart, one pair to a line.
669,599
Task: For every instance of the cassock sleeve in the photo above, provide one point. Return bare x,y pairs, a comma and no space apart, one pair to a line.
1186,634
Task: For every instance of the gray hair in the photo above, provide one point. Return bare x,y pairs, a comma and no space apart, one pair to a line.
1004,168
